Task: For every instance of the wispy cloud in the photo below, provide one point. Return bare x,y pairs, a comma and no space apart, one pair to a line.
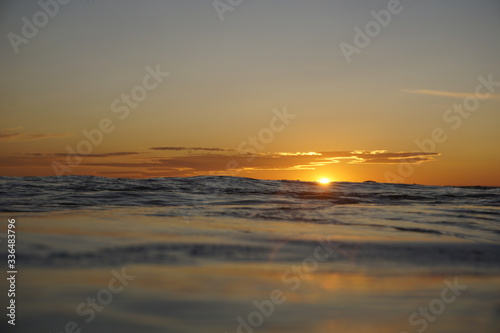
205,163
191,148
18,128
381,156
8,135
442,93
117,154
136,164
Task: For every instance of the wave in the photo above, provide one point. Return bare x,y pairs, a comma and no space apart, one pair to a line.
438,255
32,194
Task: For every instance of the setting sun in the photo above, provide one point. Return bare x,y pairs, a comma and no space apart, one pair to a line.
324,181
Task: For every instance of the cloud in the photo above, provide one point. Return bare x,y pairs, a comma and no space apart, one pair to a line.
136,164
191,148
121,173
190,165
34,160
6,136
125,153
203,163
461,95
18,128
380,156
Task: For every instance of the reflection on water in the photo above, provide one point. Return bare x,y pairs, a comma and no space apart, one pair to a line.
211,298
246,275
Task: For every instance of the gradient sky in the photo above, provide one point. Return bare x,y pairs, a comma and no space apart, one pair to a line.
228,80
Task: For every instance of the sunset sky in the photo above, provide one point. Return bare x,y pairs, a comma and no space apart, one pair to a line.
267,92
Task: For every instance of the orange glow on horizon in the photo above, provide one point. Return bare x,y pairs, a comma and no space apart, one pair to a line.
324,181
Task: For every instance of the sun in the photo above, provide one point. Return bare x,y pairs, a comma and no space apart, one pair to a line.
324,181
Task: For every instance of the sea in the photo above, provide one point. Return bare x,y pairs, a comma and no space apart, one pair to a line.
233,254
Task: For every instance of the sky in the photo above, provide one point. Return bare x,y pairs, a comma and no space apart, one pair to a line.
391,91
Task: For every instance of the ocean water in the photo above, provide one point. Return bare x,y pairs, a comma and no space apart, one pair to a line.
209,253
